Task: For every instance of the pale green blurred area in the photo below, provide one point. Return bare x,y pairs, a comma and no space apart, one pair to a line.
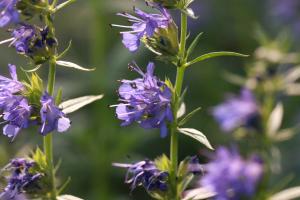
96,138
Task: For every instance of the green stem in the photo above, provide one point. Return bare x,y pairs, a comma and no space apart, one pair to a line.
48,139
178,89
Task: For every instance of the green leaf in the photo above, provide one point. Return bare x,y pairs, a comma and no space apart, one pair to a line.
73,105
287,194
58,96
194,44
198,194
39,157
213,55
197,135
188,116
68,197
65,51
181,111
73,65
163,163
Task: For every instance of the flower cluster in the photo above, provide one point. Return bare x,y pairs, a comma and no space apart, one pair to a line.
144,24
146,100
237,111
18,112
232,177
20,179
146,174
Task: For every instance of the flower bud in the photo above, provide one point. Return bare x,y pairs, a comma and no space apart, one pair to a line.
164,42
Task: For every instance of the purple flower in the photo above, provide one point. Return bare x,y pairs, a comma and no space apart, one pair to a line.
9,13
15,108
237,111
10,85
23,37
17,116
52,117
286,13
20,178
144,24
146,174
146,100
232,177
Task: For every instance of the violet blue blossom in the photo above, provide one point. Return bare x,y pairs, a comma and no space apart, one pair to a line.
237,111
144,24
20,178
8,12
23,37
232,177
17,116
146,100
146,174
52,118
10,85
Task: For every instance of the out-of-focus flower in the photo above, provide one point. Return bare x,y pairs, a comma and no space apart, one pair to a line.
237,111
20,178
52,117
144,24
146,100
145,173
232,177
286,12
9,13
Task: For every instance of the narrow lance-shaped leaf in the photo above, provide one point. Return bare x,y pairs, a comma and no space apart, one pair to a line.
194,44
275,120
197,135
287,194
65,51
72,105
73,65
213,55
181,111
68,197
198,194
188,116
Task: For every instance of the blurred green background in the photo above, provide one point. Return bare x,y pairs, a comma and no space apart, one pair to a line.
96,138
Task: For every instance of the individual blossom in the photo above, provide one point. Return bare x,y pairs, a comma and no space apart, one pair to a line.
237,111
231,177
15,108
21,178
17,117
8,12
146,174
10,85
143,25
52,118
146,100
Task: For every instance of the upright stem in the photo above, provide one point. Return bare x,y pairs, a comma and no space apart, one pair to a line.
178,88
48,139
